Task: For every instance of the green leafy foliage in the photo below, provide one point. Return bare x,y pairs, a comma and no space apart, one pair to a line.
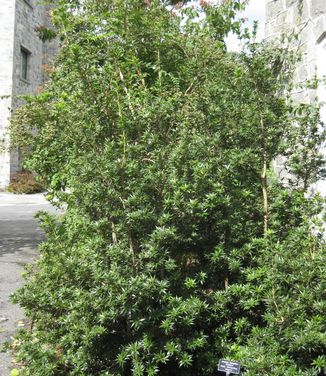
175,250
14,372
45,33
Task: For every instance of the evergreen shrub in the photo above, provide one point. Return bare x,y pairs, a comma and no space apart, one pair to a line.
179,246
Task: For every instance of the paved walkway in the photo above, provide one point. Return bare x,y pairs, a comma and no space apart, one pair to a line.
19,237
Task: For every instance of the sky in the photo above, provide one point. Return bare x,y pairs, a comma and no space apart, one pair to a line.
255,11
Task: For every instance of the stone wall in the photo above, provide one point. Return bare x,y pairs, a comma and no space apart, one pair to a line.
19,20
307,18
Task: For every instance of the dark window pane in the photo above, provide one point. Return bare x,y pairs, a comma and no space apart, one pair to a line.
24,64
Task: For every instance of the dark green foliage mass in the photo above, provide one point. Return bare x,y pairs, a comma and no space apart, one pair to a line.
179,246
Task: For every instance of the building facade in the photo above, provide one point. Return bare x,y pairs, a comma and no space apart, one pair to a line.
22,58
308,19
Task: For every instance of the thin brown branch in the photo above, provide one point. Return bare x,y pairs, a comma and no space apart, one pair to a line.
190,86
264,179
127,92
132,251
114,234
226,282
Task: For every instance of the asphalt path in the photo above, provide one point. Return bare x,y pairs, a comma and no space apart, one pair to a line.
19,238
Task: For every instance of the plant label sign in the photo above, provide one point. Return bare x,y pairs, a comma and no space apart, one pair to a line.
229,367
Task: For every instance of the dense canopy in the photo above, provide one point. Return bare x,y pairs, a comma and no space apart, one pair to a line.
179,245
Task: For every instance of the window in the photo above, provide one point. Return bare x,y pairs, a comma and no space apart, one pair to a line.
24,59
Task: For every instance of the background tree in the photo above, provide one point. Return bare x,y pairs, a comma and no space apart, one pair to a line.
178,246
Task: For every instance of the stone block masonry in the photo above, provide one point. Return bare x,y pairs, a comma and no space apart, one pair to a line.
22,56
308,19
